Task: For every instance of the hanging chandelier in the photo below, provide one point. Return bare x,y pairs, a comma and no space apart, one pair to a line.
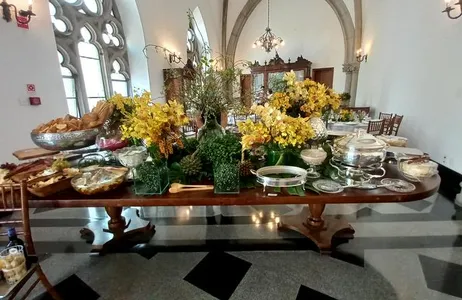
268,41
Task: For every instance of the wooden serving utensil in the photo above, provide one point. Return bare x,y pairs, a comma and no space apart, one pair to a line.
44,178
179,188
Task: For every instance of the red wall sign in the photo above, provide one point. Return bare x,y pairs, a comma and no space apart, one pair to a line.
35,101
30,87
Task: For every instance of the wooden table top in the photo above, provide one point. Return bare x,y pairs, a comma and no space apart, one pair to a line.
124,196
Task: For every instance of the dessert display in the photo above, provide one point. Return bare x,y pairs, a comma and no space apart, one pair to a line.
99,180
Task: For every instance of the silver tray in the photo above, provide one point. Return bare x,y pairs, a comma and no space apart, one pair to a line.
298,179
65,141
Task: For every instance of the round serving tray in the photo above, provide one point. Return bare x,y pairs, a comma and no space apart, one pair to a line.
299,176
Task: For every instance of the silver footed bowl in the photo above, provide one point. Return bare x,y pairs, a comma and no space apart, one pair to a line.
66,140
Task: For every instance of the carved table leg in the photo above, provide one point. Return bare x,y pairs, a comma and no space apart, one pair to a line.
320,230
119,236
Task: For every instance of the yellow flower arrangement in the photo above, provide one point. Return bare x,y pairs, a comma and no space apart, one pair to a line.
154,123
305,98
346,115
274,127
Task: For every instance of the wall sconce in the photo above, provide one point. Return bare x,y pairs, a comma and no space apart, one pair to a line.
450,8
175,58
23,13
360,57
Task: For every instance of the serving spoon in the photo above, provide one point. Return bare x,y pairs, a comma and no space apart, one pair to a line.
179,188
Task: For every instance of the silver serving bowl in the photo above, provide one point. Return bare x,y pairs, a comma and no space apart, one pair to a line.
65,141
359,150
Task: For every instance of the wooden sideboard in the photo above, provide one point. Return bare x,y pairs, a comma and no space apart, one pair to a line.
263,75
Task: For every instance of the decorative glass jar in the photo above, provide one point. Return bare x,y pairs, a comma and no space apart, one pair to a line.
110,138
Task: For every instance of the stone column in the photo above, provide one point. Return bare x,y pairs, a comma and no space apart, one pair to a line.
351,81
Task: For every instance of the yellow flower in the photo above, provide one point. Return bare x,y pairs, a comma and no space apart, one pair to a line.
156,124
308,96
275,127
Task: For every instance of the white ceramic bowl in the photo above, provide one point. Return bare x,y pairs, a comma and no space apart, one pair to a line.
314,157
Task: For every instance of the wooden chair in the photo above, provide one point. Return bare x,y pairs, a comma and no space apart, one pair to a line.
375,127
190,129
387,118
15,199
395,124
384,116
240,118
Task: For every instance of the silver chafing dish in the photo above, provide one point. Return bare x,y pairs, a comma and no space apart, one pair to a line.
359,150
357,158
355,176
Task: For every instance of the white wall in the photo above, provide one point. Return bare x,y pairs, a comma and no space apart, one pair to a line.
28,56
414,69
311,30
351,8
165,23
234,9
134,34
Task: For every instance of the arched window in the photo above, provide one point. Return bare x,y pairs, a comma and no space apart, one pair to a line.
119,80
69,86
197,42
192,45
92,51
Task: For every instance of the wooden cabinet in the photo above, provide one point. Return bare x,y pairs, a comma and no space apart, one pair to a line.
265,76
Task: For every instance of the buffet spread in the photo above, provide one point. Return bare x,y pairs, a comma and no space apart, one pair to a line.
284,148
131,151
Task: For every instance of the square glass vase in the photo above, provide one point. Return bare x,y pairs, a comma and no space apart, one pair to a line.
151,179
226,178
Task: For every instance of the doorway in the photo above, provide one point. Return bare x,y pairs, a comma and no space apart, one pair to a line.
324,76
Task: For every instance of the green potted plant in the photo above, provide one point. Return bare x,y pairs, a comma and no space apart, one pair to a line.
223,153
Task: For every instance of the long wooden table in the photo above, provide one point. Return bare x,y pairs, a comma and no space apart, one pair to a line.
310,222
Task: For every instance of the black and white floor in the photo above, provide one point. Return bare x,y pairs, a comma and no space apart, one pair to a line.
400,251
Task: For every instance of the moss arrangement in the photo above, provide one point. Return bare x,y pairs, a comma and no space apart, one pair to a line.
226,178
151,178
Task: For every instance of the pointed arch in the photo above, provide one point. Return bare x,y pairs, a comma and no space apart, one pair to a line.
343,15
198,26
